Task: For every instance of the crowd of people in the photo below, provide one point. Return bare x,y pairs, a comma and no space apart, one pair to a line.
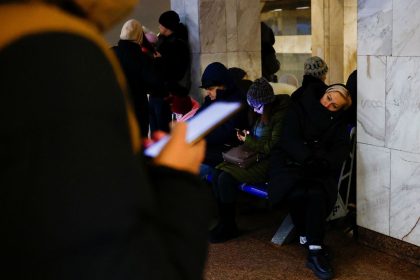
78,198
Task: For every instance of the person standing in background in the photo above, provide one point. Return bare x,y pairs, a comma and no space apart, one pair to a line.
172,61
138,69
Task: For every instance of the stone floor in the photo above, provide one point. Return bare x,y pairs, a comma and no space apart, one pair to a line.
253,256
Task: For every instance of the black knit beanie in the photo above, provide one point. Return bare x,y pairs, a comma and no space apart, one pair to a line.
170,20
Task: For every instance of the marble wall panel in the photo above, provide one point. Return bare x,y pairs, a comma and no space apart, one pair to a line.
373,188
179,7
406,31
249,61
231,25
213,26
405,197
248,25
371,75
350,38
192,21
196,73
374,27
403,104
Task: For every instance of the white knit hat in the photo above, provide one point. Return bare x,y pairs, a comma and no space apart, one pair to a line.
132,30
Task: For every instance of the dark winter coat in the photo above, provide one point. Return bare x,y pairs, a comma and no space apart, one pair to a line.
313,145
141,77
258,172
174,64
75,201
224,136
318,87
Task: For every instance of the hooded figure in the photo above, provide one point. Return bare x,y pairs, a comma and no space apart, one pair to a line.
220,86
77,199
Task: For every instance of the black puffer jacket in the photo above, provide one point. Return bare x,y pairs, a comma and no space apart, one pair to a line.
313,145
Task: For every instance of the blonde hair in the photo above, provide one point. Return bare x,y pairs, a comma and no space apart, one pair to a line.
342,90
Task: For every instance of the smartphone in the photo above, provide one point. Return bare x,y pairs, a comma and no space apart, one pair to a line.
200,125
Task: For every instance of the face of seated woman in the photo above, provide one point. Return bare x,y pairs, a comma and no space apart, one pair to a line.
333,101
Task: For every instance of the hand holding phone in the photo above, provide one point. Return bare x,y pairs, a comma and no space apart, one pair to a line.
180,155
200,125
241,134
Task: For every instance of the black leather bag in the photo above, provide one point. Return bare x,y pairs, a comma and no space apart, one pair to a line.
241,156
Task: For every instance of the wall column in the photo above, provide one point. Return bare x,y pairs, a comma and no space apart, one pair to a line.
334,36
227,31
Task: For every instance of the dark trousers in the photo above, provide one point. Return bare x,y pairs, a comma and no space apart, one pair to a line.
160,114
308,209
225,187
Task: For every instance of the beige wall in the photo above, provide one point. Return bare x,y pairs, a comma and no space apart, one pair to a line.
334,36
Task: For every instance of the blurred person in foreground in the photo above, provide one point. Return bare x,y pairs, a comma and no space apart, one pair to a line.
77,199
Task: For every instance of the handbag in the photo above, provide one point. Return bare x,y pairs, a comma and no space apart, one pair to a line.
241,156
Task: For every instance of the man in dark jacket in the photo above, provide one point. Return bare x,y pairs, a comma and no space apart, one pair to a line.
220,86
305,164
172,61
77,200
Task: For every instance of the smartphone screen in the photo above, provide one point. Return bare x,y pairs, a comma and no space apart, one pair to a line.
201,124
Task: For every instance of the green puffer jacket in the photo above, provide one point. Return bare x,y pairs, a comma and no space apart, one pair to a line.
258,172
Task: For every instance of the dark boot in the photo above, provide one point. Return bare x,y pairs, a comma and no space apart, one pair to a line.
319,264
226,229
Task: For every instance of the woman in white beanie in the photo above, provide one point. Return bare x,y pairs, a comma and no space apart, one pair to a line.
138,69
77,198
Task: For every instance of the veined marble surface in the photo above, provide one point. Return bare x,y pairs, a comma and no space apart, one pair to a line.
231,25
248,25
248,61
192,20
371,75
406,31
405,197
403,104
375,27
373,187
213,35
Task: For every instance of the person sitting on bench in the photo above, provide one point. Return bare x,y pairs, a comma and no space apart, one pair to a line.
305,164
267,115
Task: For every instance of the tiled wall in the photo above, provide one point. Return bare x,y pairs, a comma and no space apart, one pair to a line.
388,163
